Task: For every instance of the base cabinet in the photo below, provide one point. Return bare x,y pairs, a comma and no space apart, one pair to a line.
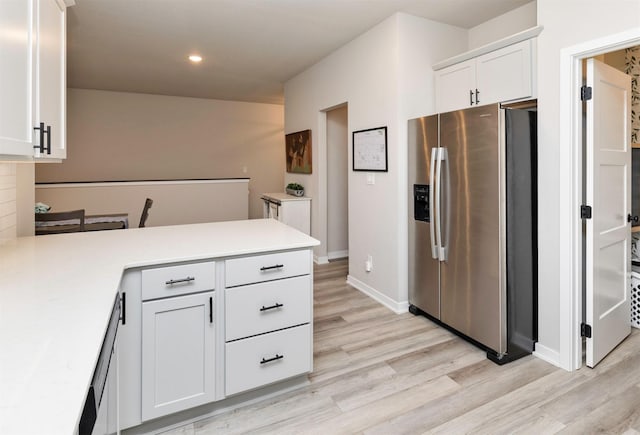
177,354
183,344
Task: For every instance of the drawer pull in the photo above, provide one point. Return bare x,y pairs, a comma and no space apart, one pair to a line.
178,281
276,266
272,307
275,358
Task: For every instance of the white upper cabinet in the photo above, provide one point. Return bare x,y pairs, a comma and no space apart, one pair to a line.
17,44
51,79
505,74
33,79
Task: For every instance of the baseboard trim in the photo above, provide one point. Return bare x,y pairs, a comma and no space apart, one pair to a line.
547,354
396,307
338,254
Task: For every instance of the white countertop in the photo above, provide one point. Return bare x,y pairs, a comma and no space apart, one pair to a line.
279,196
56,295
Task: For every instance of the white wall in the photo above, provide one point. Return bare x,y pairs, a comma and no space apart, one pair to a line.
384,75
117,136
337,183
504,25
566,23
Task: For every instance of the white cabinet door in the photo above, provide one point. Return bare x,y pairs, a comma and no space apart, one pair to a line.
16,83
455,86
50,78
505,74
177,354
502,75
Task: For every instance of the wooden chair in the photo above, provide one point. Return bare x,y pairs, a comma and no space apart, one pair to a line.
145,212
69,222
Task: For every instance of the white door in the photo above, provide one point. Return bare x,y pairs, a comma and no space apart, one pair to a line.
177,354
608,191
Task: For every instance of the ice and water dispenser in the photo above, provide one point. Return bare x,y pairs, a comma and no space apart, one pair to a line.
421,202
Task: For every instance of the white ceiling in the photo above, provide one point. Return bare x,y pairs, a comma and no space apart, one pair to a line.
250,47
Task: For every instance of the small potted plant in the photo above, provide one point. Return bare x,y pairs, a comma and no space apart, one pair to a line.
295,189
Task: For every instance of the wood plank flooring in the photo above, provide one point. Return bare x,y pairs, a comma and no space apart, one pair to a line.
377,372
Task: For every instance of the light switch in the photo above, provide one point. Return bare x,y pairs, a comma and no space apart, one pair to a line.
371,178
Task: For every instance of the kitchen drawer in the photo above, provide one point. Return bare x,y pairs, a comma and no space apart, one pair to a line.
171,281
259,308
261,360
259,268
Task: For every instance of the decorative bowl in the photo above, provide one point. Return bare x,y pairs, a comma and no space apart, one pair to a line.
295,192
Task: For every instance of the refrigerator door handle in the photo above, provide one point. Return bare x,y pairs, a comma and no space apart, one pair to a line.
438,216
432,208
444,242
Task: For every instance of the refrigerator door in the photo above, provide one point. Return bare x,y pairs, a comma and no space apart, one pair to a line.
472,295
424,270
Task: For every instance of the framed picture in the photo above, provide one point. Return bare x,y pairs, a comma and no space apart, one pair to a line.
370,150
298,151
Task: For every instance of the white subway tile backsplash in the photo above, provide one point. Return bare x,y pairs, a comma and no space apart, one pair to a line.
8,217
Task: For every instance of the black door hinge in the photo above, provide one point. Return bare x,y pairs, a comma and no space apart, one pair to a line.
585,330
585,212
586,92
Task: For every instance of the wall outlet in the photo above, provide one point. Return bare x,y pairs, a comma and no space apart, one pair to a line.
371,178
368,265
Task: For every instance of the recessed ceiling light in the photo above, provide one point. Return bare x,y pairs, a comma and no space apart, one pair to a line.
195,58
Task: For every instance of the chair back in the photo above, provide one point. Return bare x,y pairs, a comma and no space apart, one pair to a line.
59,222
145,212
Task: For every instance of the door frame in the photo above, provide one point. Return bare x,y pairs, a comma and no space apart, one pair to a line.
570,189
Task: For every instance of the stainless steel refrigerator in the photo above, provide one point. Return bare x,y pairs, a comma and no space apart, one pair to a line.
472,230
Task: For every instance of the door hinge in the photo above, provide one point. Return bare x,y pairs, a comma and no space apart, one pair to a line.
585,330
585,212
586,92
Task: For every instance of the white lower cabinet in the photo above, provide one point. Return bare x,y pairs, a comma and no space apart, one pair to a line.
177,354
195,333
264,359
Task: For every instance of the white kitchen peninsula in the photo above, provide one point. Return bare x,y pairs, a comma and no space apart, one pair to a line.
56,297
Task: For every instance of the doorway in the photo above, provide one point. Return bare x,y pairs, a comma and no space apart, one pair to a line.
571,197
337,183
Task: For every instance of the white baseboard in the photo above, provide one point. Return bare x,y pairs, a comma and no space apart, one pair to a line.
547,354
396,307
320,259
338,254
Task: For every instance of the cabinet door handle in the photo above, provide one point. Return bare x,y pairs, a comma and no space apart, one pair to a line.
123,311
42,132
211,309
275,266
275,358
48,139
178,281
272,307
477,100
470,97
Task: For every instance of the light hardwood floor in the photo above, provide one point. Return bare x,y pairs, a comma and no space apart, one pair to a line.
376,372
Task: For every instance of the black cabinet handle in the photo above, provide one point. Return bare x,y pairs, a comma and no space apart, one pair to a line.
272,307
275,266
477,100
211,309
123,301
48,139
178,281
42,132
275,358
633,219
470,97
